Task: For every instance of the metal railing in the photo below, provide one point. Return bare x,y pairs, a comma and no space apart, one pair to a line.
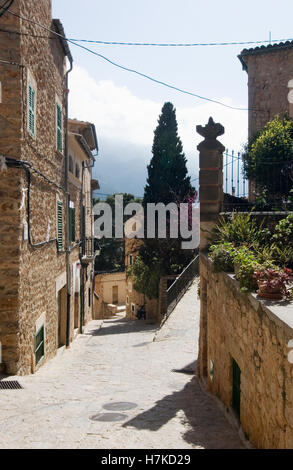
181,284
88,248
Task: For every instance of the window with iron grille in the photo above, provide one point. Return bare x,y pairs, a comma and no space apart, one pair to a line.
60,226
40,344
59,128
31,110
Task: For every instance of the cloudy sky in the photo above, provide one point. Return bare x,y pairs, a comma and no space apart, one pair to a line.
125,107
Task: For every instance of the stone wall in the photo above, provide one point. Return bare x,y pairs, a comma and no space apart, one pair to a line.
269,71
104,284
255,333
32,276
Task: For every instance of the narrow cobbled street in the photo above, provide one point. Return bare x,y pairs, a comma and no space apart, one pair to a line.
117,388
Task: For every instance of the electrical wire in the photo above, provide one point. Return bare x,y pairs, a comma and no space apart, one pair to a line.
116,43
127,69
195,44
6,5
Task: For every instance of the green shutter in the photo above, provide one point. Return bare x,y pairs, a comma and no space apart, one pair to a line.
72,224
40,344
31,110
60,226
59,127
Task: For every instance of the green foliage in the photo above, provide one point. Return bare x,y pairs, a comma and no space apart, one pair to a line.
167,172
112,257
283,235
245,275
268,158
223,257
145,278
238,229
167,181
243,255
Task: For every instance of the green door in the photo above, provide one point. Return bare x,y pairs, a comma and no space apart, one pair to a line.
236,391
40,345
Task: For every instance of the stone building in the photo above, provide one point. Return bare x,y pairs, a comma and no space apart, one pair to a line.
109,293
134,299
270,75
270,80
44,253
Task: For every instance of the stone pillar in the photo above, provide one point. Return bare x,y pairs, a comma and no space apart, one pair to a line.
211,198
210,178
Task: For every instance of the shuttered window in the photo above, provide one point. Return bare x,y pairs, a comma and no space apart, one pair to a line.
60,226
31,110
72,224
59,128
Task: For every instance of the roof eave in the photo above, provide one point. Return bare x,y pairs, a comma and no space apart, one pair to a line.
60,30
244,65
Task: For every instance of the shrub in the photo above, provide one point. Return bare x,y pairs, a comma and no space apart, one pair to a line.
268,158
146,279
239,229
283,235
223,257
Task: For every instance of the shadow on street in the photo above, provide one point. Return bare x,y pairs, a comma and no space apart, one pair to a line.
206,425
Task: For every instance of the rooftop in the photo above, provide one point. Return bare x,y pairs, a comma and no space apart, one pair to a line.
263,50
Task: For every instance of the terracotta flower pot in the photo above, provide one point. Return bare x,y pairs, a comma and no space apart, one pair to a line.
266,292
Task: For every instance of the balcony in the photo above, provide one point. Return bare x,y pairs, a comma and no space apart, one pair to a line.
89,249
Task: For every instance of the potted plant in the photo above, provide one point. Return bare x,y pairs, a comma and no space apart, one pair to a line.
272,283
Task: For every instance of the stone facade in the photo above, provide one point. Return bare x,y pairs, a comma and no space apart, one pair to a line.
33,270
270,80
134,299
255,334
109,292
269,71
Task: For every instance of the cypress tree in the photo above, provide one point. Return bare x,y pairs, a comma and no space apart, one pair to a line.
167,172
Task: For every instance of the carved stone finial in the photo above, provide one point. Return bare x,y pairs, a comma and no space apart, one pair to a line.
211,131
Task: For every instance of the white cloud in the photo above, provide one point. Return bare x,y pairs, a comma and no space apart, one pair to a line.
122,117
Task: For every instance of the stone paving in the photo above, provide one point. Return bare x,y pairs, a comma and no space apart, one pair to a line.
146,388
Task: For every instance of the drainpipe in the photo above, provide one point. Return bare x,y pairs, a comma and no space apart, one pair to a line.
82,227
68,271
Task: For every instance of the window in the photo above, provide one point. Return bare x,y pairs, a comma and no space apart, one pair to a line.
90,297
59,127
77,171
130,260
31,110
132,308
71,222
40,344
71,164
127,300
59,226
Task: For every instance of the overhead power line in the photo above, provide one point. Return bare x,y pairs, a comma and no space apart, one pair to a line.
127,69
172,44
4,7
